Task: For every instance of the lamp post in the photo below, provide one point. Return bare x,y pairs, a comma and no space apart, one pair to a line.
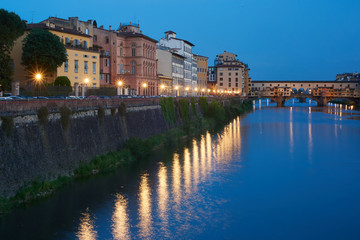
162,88
84,87
38,78
176,91
186,90
119,88
144,85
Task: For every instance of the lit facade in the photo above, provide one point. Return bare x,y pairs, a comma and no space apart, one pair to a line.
201,73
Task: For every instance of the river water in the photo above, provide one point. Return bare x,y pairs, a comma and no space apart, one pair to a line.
275,173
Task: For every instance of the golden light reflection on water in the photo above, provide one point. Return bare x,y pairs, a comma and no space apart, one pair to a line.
163,198
145,215
86,230
291,132
120,219
178,186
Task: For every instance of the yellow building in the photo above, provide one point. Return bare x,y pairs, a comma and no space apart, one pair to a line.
83,60
201,73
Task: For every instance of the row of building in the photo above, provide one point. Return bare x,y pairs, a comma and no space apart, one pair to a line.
141,65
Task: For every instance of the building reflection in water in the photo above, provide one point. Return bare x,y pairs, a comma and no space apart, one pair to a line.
196,163
120,219
310,140
145,215
291,132
86,230
187,170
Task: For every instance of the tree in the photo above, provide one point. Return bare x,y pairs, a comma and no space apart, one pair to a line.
62,81
11,28
42,51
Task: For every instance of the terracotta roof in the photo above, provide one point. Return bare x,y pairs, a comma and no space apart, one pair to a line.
132,34
56,28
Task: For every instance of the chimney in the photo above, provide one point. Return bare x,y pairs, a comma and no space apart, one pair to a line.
110,27
102,27
140,31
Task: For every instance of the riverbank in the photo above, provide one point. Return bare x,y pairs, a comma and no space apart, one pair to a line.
194,118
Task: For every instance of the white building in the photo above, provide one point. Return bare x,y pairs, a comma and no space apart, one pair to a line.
183,48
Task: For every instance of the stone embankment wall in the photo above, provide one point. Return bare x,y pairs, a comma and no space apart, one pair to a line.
35,150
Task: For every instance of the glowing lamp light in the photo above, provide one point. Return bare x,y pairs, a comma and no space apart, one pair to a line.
209,90
214,90
38,76
162,86
187,89
86,80
196,89
119,83
176,87
203,89
144,85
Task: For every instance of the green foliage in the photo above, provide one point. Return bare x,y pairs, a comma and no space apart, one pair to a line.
217,112
139,148
184,110
7,125
62,81
203,105
113,111
43,51
168,110
193,106
101,114
65,118
43,115
11,28
122,109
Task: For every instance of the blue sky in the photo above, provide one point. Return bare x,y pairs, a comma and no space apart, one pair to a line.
279,39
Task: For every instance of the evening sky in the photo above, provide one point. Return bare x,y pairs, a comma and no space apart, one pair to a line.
279,39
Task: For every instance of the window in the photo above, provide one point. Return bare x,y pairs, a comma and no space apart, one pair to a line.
133,68
84,44
76,64
229,79
66,65
229,69
221,84
236,80
236,84
121,68
87,31
229,73
221,79
94,67
94,85
107,39
121,53
221,74
133,52
95,38
76,42
106,63
67,41
85,66
107,53
229,84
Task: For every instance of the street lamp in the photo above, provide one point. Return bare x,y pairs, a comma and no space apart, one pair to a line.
119,87
144,85
84,87
176,89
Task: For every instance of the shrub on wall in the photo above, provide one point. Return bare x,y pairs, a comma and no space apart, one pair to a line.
101,114
203,104
168,109
122,109
43,115
217,112
7,125
184,110
193,106
65,118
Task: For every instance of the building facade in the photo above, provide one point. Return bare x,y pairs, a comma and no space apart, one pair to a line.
128,56
82,66
201,73
183,48
229,74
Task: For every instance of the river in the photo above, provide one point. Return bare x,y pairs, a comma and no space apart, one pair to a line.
275,173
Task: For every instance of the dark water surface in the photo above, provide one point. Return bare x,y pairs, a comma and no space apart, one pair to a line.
276,173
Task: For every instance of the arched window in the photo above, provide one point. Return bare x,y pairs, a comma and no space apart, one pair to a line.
84,44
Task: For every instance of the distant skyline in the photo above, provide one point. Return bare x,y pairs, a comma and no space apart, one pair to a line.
279,39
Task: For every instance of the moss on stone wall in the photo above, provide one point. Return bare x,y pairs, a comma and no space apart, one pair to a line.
43,115
65,117
7,125
168,110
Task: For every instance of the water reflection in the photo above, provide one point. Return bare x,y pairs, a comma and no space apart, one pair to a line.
120,219
145,215
86,230
163,199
